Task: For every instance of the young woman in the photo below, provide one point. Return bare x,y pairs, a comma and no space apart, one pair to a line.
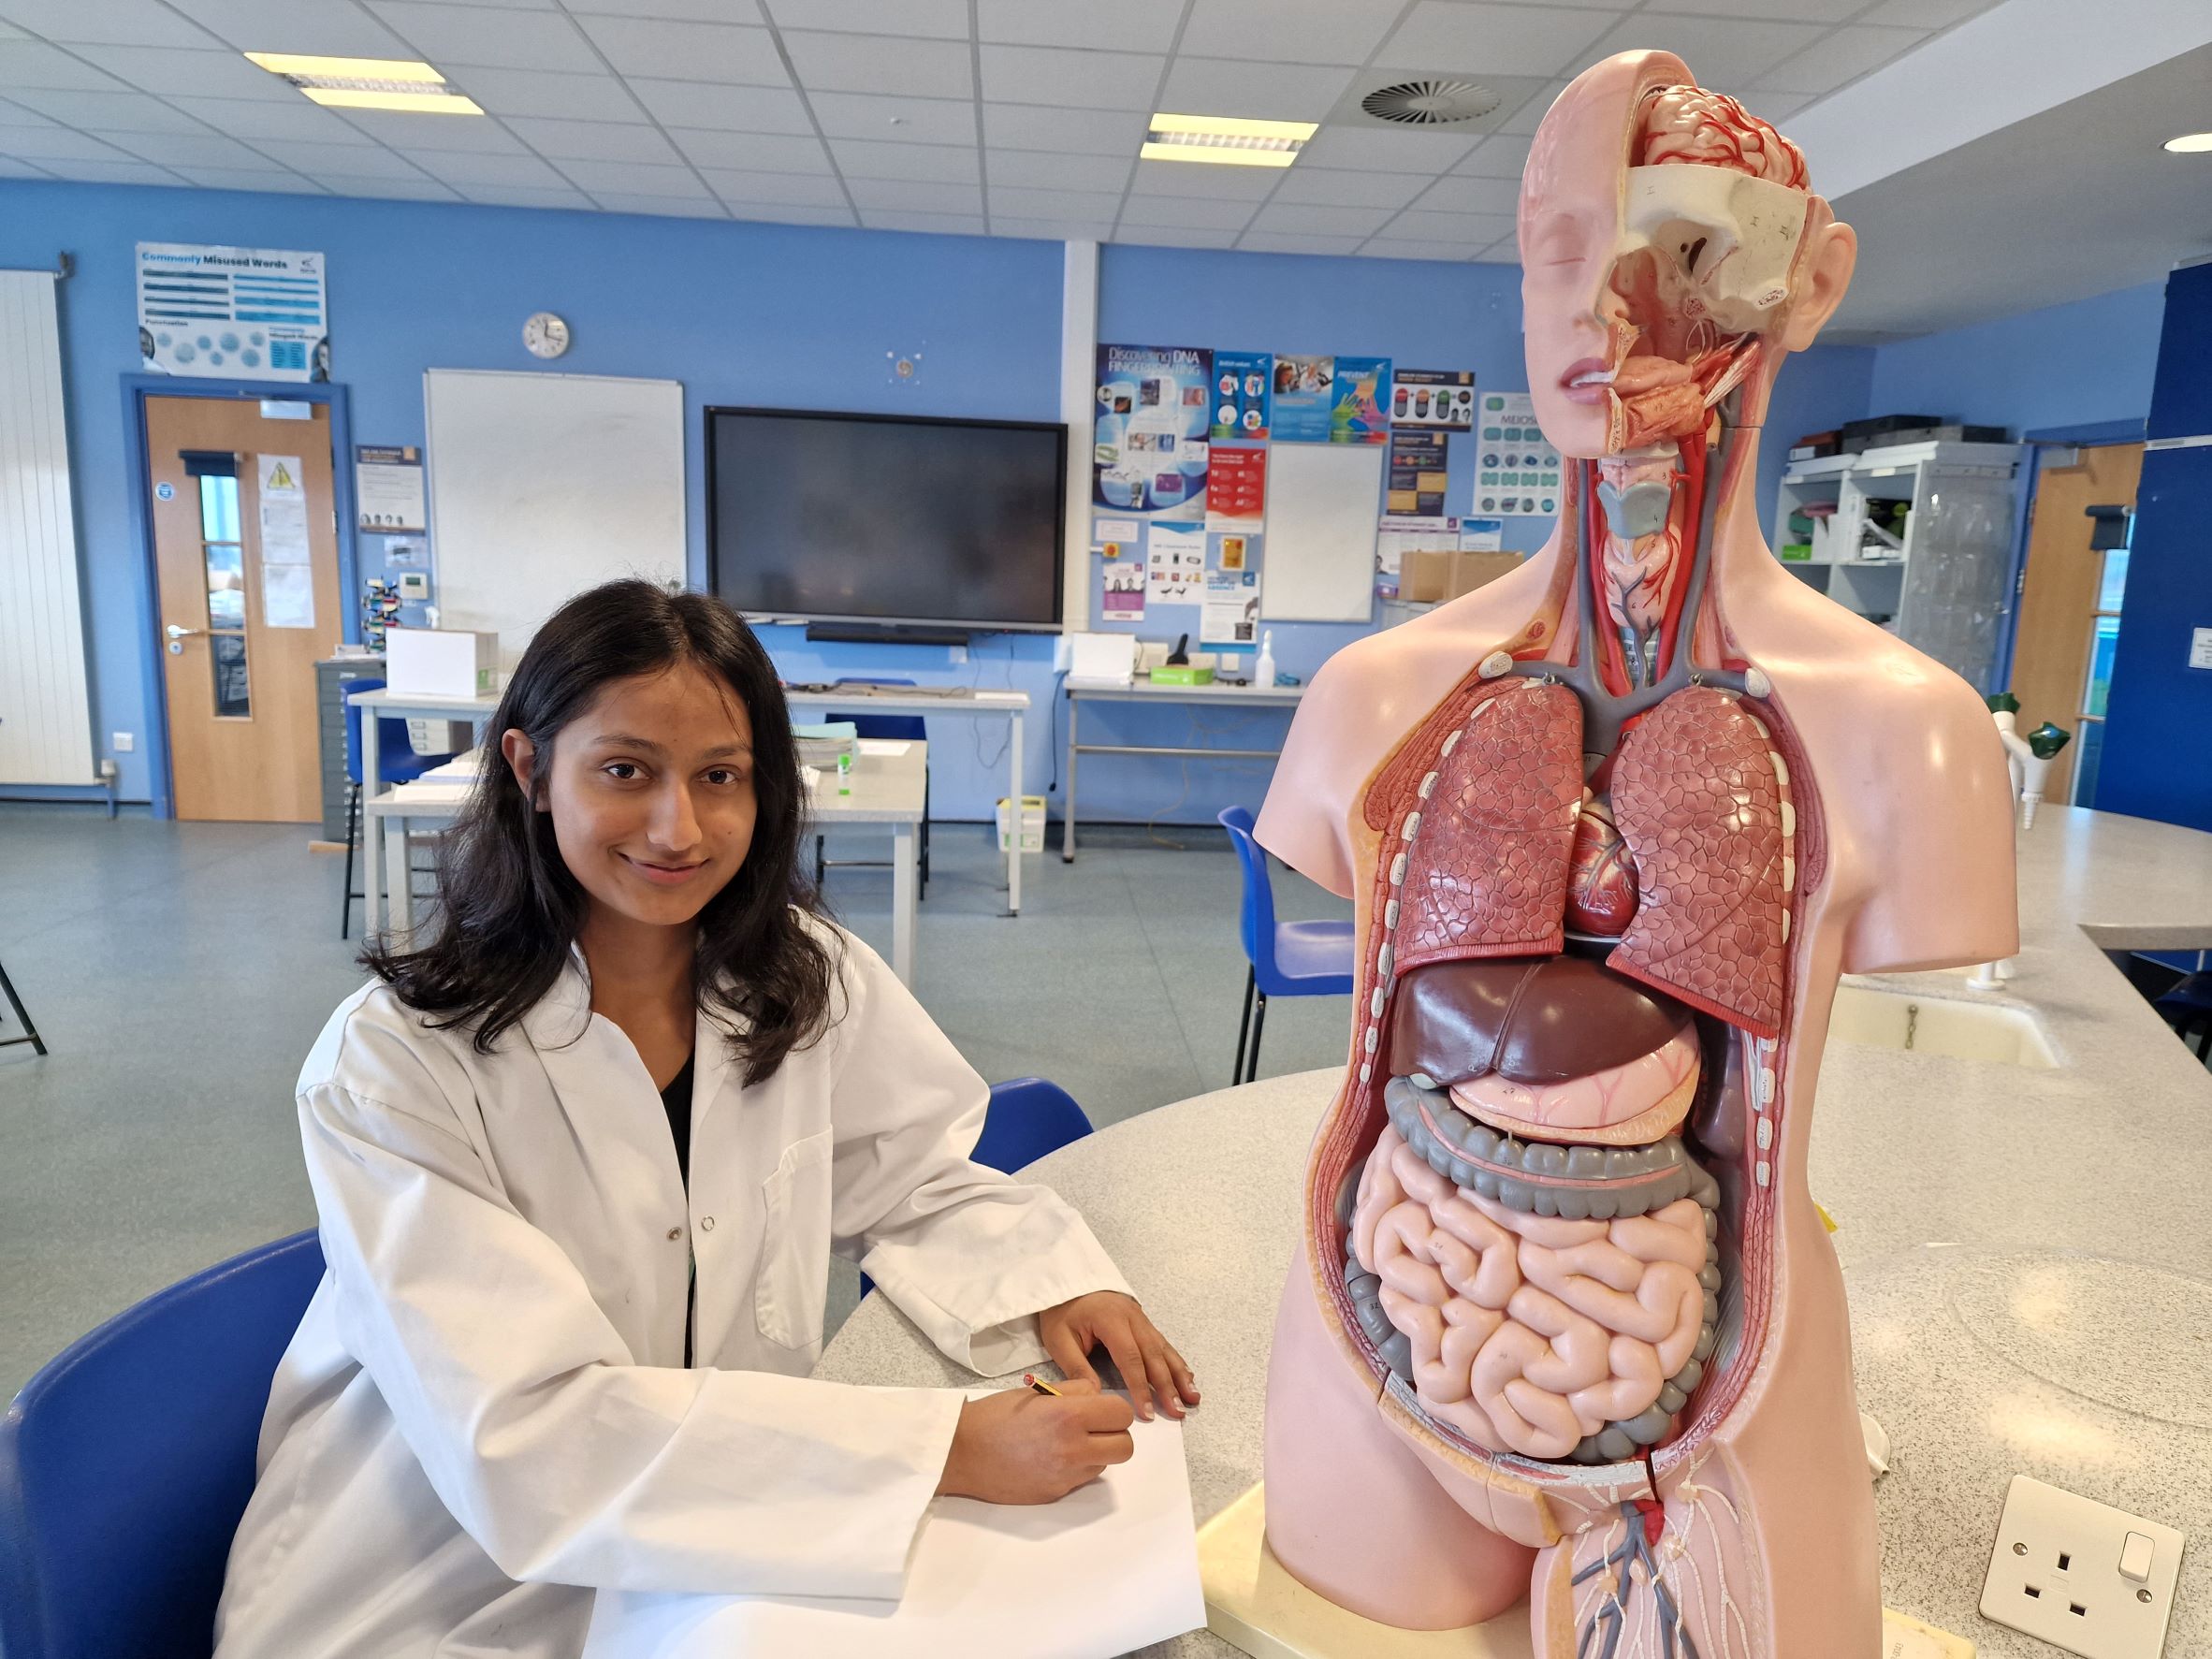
581,1162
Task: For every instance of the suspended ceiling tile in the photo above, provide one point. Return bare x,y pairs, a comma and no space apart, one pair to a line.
107,112
1480,229
1125,26
593,141
1775,108
660,207
934,223
1926,14
523,196
196,149
194,74
1329,187
768,153
903,121
720,52
722,108
1037,126
465,170
416,189
1343,32
1077,79
945,20
1474,195
110,172
914,196
1502,155
1085,206
781,213
936,163
257,179
57,144
33,65
1462,38
1526,120
1381,150
15,115
1255,91
1190,212
631,178
289,25
1724,53
402,127
1204,178
1305,217
453,37
1171,236
698,11
1052,230
1794,11
811,189
254,118
1043,170
597,97
1395,248
1841,56
111,22
353,161
12,168
1268,241
881,64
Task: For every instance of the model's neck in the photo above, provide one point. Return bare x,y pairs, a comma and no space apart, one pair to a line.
1647,543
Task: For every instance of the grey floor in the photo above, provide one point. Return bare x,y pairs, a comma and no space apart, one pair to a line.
177,973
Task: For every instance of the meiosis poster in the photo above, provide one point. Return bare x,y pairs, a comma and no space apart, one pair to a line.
1439,397
1236,488
1517,471
1150,447
1242,393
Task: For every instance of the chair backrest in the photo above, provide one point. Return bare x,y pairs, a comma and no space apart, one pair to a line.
1028,1118
885,728
126,1462
1257,922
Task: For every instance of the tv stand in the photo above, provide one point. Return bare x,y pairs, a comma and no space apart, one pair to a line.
887,633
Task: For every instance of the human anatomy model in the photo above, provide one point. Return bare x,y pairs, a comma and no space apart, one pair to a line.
1564,1319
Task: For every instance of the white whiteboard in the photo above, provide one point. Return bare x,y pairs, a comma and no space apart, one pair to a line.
1319,560
544,484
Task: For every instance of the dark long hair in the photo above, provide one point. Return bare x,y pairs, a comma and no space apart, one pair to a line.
509,908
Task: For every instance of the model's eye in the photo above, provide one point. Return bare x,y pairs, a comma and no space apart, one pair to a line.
1559,242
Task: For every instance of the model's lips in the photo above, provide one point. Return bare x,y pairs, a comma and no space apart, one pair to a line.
662,875
1587,381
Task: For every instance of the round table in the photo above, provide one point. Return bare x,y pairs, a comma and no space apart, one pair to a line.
2028,1293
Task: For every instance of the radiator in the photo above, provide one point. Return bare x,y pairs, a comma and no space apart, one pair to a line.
45,721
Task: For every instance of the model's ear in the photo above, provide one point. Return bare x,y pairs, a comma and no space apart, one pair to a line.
522,759
1824,275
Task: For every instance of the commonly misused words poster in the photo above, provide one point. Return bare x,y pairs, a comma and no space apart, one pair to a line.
1149,443
240,314
1517,471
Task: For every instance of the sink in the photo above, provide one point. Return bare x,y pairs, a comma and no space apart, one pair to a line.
1939,1025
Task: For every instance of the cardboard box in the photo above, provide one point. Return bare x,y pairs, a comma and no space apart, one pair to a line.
1424,575
440,662
1470,571
1032,823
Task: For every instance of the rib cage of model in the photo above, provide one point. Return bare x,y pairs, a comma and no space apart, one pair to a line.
1556,1214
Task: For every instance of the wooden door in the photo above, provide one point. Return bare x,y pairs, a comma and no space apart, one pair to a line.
249,601
2059,594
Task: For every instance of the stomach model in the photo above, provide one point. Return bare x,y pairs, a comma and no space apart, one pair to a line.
1553,1204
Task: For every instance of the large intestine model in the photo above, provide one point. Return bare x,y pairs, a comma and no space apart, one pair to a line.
1562,1319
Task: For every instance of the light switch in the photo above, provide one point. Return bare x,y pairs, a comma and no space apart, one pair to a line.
2136,1558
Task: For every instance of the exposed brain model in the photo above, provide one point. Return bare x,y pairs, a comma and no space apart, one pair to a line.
1564,1321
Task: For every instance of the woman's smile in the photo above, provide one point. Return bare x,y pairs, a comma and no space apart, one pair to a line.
662,872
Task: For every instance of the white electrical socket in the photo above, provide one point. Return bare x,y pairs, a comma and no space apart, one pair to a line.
2094,1580
123,742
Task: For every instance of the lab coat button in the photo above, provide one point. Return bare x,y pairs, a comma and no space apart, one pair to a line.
675,1234
706,1224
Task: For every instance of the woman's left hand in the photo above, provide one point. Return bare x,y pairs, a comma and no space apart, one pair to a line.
1149,1366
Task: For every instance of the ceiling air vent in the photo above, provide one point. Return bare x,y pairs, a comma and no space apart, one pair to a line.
1430,103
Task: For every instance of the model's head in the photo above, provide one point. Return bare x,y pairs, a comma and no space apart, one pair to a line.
1671,250
647,776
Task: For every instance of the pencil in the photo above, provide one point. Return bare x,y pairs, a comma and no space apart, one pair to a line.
1041,1385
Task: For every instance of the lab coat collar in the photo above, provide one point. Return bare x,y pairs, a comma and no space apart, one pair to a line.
561,1020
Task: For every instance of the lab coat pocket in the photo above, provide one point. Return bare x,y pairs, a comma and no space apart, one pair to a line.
794,1246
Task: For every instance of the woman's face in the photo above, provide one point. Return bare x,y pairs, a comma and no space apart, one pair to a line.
651,792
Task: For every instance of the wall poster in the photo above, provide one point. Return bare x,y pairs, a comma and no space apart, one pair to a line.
1124,600
235,313
1242,393
1236,490
1517,471
1175,563
1415,488
1439,397
1230,615
1332,400
1150,446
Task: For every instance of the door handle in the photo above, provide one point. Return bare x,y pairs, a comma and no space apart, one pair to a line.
178,637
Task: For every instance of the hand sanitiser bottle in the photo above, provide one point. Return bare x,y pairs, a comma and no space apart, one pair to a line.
1263,671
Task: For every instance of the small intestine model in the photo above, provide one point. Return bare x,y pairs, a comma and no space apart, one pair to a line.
1564,1321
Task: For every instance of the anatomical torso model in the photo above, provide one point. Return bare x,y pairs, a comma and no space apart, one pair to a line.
1564,1319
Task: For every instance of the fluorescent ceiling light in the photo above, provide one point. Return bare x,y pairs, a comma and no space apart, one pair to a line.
2190,143
1226,140
368,83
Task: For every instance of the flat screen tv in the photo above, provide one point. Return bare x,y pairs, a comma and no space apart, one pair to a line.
886,519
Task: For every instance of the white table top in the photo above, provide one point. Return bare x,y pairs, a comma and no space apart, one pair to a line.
903,700
1144,690
2026,1293
425,704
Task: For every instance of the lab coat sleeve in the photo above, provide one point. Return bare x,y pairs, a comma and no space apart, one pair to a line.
565,1461
969,1254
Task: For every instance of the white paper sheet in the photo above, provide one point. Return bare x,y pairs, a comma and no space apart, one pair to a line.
1108,1569
287,596
889,748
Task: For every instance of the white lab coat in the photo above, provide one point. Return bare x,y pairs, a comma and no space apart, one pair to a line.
485,1416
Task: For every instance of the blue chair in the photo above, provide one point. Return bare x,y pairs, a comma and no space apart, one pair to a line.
126,1462
1026,1119
1289,958
396,763
886,728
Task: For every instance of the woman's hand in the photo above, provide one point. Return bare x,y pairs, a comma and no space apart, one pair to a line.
1148,1366
1019,1447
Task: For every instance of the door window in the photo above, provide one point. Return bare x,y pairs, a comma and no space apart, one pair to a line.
224,556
